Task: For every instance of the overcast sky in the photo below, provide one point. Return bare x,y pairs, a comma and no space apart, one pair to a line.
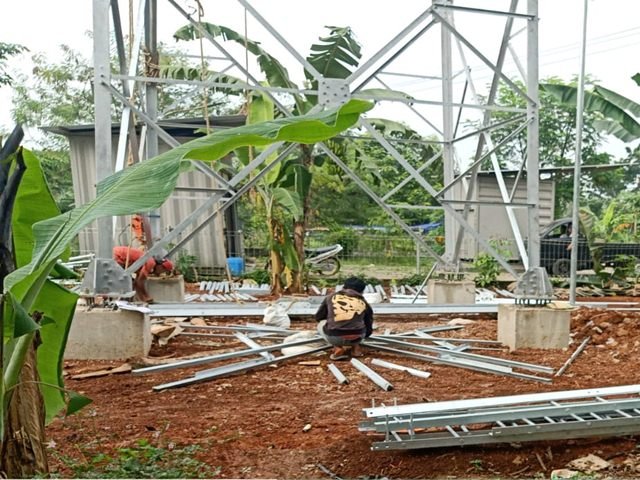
613,31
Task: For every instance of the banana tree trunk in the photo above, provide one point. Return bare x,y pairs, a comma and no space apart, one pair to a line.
300,227
24,452
297,276
277,265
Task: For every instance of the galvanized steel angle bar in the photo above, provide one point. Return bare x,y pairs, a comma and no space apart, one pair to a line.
381,203
387,48
484,59
303,61
472,356
168,139
240,368
222,356
487,402
237,194
438,6
489,368
502,414
486,437
231,58
374,376
429,188
193,216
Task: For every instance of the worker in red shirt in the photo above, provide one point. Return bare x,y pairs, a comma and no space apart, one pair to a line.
125,256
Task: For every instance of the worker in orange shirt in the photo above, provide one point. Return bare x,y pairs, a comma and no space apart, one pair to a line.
125,256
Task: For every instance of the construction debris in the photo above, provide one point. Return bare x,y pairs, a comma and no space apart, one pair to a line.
124,368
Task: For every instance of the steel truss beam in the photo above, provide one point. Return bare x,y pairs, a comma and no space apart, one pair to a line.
440,14
598,412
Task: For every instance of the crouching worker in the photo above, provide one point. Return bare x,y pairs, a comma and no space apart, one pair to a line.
125,256
345,319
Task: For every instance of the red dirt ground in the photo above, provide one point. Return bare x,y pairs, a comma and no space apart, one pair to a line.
251,426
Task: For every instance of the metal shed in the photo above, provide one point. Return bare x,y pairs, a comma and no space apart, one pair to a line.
212,245
489,217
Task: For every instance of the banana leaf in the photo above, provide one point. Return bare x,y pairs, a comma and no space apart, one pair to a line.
595,102
120,194
275,72
34,202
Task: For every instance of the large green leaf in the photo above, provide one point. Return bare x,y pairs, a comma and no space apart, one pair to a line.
336,55
17,321
185,72
636,78
58,304
34,203
619,100
288,201
275,72
595,103
146,185
611,127
384,94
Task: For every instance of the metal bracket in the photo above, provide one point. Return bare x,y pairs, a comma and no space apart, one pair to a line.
105,277
333,92
534,287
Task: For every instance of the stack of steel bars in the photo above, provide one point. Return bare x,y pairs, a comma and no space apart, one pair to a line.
598,412
420,345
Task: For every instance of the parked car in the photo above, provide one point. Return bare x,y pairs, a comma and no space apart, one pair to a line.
555,251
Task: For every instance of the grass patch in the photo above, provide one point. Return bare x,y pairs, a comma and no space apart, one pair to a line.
142,461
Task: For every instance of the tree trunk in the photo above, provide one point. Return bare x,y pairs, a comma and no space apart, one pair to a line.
300,227
275,233
24,453
297,281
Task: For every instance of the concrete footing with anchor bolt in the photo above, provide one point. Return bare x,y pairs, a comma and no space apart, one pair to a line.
521,326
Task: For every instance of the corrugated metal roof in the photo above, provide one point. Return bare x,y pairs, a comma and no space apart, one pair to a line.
177,127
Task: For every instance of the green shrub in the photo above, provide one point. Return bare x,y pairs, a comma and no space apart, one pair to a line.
259,276
185,263
487,268
143,461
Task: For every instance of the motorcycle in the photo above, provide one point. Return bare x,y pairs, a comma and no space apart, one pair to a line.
323,260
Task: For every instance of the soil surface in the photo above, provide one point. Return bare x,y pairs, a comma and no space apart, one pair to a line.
296,421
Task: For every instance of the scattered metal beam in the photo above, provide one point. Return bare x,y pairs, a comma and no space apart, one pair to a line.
342,380
394,366
372,375
469,356
575,354
222,356
478,366
239,368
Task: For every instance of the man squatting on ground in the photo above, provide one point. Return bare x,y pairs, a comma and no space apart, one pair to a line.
345,319
125,256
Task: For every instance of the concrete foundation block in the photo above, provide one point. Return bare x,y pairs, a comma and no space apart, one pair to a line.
166,289
533,327
101,334
445,292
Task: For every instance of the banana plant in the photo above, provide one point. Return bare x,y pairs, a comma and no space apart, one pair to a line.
27,291
335,56
621,116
